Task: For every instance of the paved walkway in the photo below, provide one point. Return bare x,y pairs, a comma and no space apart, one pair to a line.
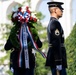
49,73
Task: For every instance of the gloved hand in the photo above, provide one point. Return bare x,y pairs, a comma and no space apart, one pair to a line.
59,67
12,70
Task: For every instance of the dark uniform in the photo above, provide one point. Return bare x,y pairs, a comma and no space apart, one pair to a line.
56,56
56,51
14,58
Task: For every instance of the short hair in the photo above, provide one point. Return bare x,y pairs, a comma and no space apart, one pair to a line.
51,9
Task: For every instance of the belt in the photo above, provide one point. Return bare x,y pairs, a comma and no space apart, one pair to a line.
62,45
50,45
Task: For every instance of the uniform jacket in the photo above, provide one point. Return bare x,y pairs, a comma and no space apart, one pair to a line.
56,52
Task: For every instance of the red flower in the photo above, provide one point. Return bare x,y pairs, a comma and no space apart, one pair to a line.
27,10
26,20
34,19
31,18
27,7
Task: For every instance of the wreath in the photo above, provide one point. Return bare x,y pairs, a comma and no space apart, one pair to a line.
19,17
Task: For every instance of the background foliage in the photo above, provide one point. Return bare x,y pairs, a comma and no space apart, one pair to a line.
71,52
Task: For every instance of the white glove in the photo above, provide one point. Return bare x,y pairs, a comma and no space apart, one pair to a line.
12,70
59,67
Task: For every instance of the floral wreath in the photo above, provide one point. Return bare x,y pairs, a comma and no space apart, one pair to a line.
18,17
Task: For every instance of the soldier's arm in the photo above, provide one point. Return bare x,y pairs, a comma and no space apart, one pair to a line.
39,43
8,45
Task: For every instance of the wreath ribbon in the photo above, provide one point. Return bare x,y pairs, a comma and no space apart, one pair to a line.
24,46
34,43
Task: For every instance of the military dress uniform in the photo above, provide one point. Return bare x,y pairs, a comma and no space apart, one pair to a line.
14,58
56,52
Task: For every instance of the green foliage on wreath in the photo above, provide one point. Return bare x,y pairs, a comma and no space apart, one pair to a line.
13,35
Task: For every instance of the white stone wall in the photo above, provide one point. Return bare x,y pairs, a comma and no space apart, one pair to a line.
5,8
34,4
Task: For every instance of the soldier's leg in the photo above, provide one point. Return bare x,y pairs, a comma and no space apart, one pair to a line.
53,71
18,71
63,72
29,71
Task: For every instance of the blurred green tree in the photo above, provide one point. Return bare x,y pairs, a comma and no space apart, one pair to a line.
71,51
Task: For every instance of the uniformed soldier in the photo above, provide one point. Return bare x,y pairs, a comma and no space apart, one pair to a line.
56,56
15,67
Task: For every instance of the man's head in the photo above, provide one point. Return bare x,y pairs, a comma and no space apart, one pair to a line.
55,8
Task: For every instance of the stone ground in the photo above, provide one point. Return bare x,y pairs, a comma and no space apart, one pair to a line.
49,73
